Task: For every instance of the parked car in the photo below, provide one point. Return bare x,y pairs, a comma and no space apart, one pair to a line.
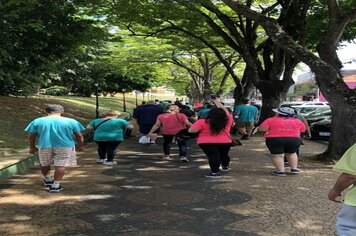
290,104
321,129
318,115
307,109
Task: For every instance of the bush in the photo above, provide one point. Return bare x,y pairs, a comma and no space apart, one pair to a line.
57,91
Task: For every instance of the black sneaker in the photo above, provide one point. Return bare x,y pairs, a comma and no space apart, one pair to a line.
55,190
225,168
279,173
47,182
245,137
213,175
295,171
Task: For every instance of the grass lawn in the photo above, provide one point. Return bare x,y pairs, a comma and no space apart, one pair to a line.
17,112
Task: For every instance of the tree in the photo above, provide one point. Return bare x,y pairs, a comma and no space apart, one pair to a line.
326,68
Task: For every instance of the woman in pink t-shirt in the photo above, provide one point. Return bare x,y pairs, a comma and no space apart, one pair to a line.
283,139
170,123
214,138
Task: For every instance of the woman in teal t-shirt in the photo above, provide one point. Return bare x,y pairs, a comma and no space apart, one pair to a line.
109,133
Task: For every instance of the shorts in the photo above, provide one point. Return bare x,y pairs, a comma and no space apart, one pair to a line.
145,128
57,156
283,145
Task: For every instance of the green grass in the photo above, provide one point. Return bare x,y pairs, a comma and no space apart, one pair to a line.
17,112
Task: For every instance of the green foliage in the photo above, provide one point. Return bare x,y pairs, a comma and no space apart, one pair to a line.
57,91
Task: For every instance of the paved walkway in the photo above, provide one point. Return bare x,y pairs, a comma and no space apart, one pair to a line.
144,195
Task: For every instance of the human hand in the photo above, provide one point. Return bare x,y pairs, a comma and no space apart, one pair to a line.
334,196
33,150
79,148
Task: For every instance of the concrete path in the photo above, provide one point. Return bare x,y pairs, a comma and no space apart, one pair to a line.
144,195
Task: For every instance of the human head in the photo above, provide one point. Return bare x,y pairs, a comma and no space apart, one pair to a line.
54,108
173,108
113,113
217,120
284,111
246,101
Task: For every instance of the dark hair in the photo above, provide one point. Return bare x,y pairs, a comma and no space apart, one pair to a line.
245,101
217,120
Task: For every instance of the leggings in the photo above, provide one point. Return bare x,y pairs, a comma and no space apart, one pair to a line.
107,149
217,153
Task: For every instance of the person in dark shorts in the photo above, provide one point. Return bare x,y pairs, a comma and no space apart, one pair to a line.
283,139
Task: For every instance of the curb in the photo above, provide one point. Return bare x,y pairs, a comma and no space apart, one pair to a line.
19,167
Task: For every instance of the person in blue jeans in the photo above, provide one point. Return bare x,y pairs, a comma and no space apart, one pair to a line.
109,133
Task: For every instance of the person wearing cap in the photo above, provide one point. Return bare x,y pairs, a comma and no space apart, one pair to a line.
283,139
109,133
51,137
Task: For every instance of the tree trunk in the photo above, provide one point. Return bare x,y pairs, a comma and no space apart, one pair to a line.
272,94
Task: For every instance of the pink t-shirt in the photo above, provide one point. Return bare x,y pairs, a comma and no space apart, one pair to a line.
283,127
206,137
172,123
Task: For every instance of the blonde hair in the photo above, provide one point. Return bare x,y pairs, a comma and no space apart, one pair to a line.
173,107
112,113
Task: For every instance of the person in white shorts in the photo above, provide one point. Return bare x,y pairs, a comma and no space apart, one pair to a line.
51,137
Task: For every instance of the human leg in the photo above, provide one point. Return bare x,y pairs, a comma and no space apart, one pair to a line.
46,158
182,145
249,126
211,150
292,160
346,221
224,149
102,149
111,149
167,140
278,162
241,127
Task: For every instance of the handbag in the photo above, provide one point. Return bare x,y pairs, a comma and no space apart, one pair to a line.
90,136
234,142
183,134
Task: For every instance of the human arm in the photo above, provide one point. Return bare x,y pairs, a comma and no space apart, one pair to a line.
264,127
32,143
307,128
156,126
220,105
343,181
80,141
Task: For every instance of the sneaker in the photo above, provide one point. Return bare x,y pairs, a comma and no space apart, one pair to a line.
167,158
153,144
225,168
213,175
55,190
245,137
110,163
100,161
48,182
295,171
279,173
184,159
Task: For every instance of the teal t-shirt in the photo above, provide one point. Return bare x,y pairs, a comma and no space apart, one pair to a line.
112,130
54,131
347,164
246,113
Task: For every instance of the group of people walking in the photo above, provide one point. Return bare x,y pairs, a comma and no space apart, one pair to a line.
51,136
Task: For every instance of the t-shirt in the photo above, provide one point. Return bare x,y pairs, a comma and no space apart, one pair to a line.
54,131
147,114
283,127
205,135
246,113
347,164
172,123
112,130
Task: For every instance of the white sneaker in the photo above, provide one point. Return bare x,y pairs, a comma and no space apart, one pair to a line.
184,159
100,161
167,158
110,163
